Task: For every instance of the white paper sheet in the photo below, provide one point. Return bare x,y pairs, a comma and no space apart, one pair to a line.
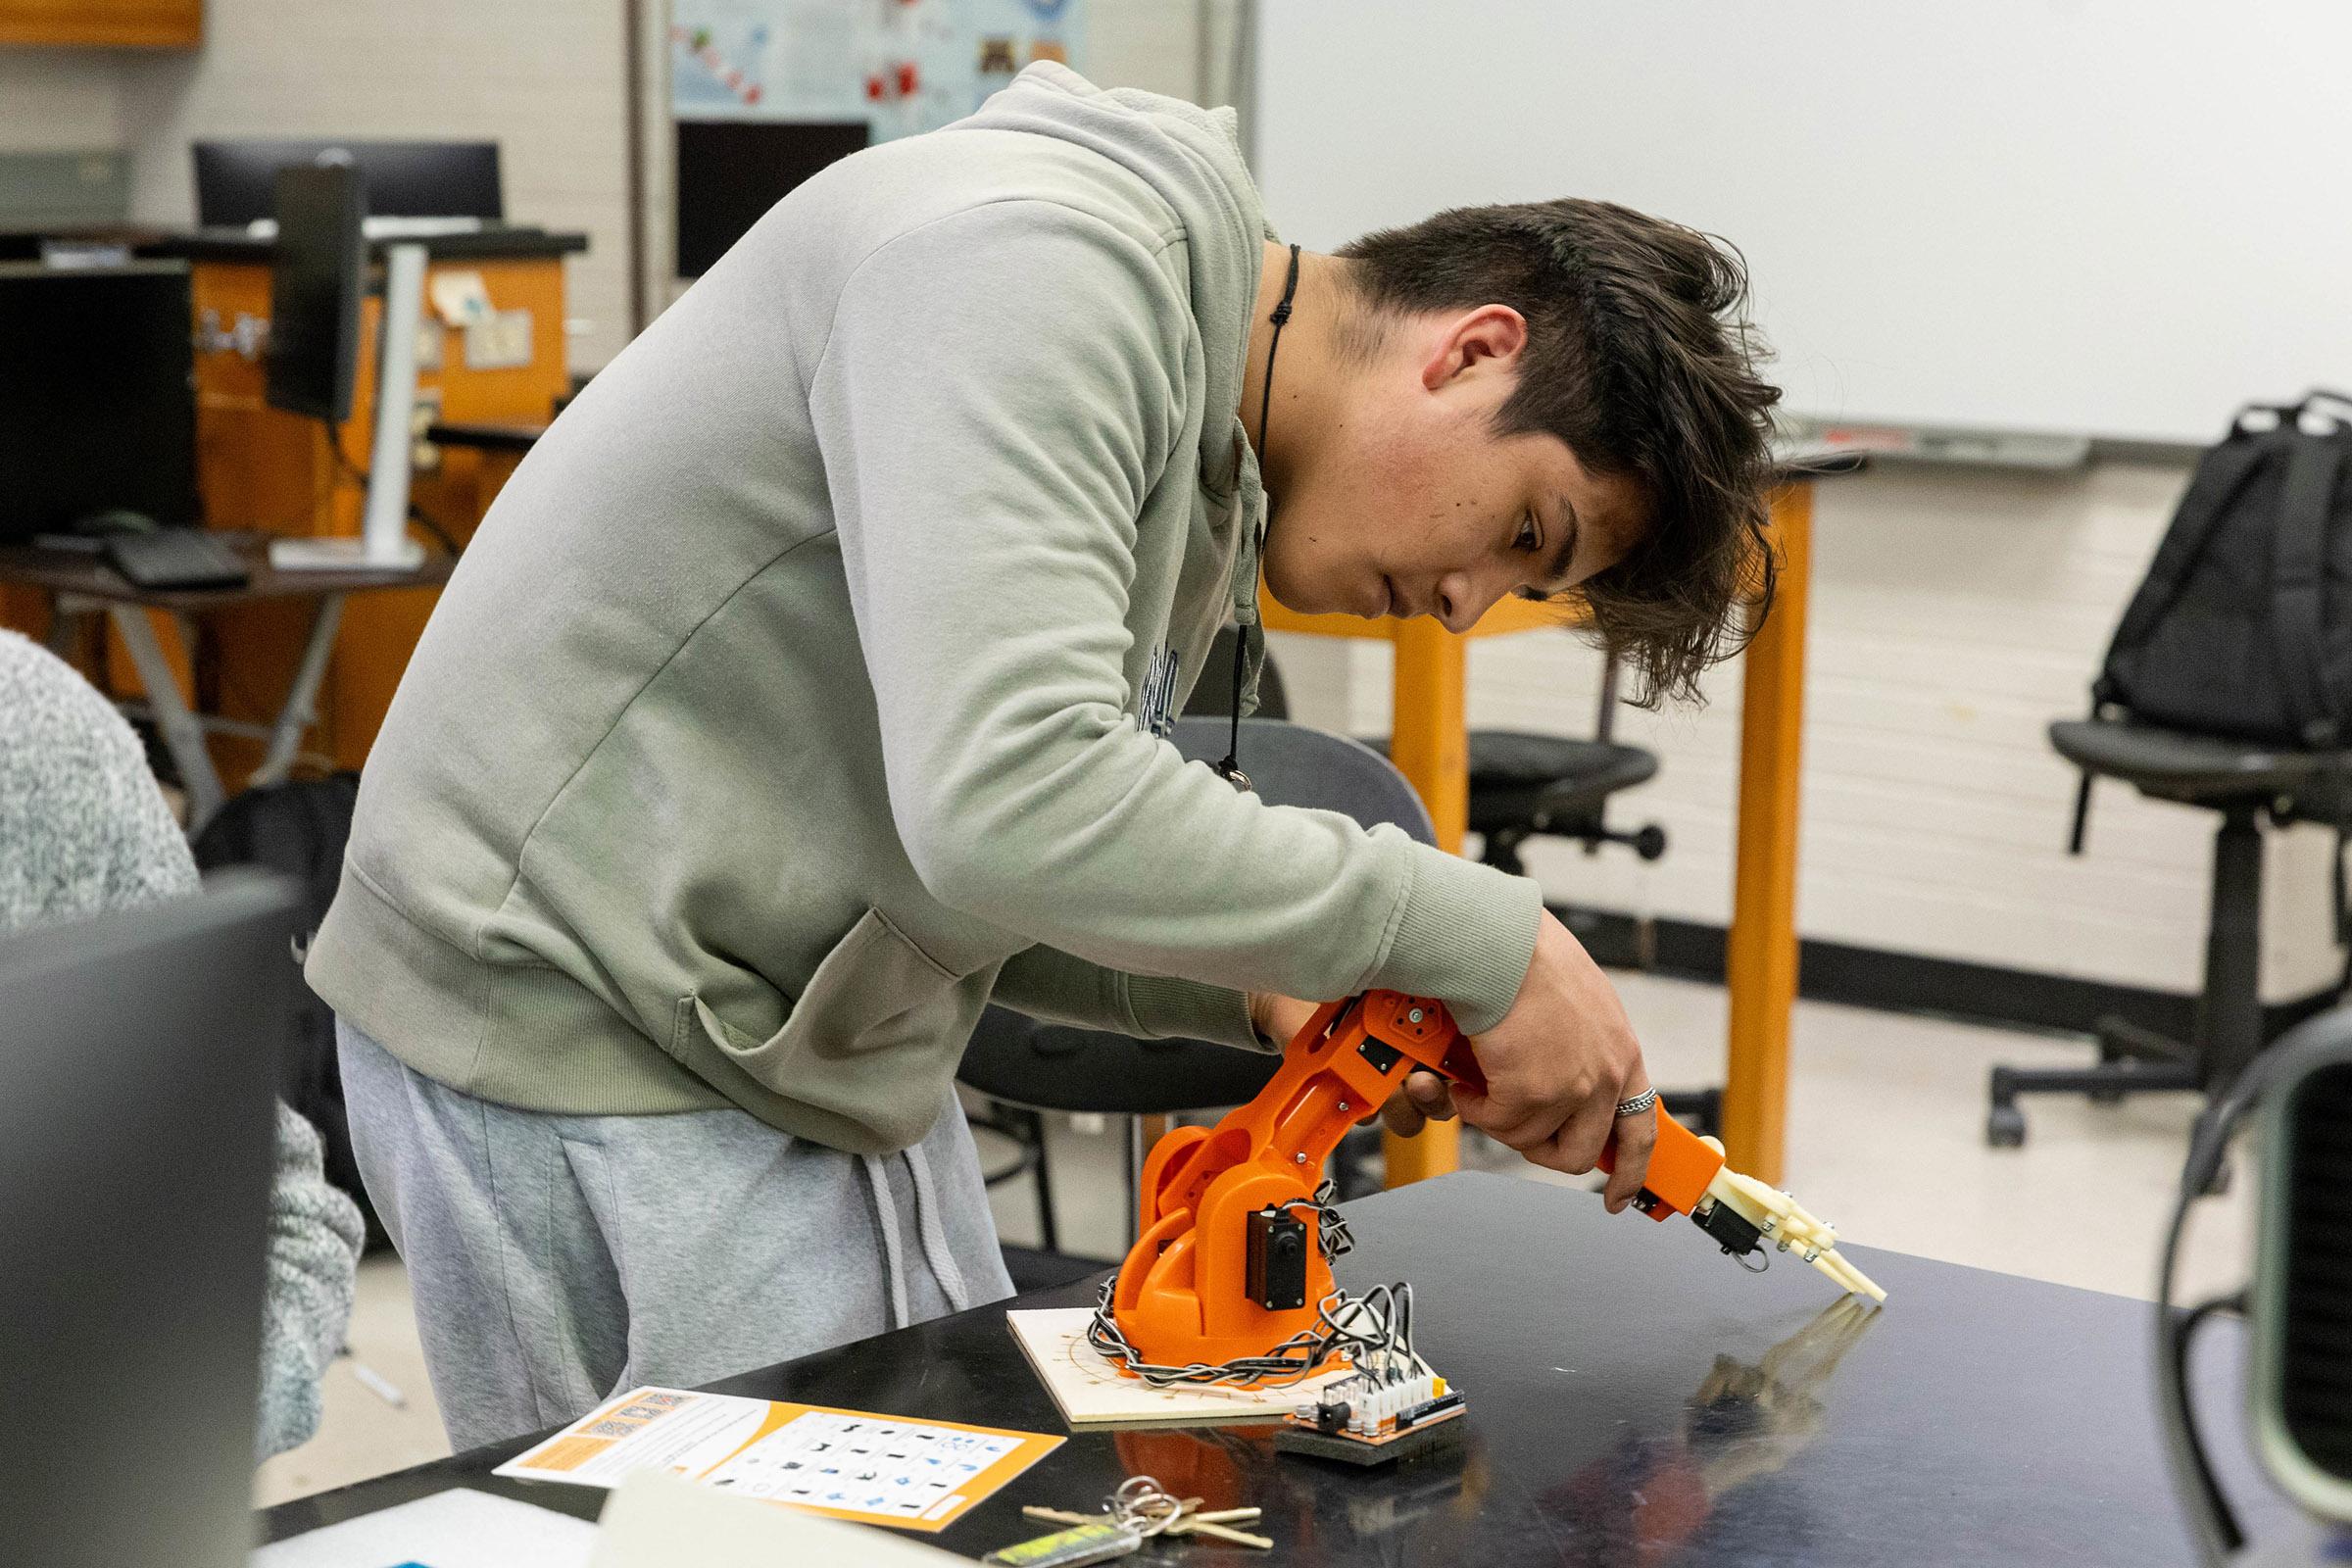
660,1521
456,1529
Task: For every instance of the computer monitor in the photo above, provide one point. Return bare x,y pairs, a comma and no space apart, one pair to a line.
314,283
731,172
236,182
97,396
137,1056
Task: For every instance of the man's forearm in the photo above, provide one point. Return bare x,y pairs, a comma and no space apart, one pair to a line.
1049,984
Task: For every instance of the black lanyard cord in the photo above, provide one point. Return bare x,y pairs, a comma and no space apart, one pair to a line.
1230,769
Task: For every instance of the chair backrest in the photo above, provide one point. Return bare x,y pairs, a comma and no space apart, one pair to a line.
1046,1067
1289,764
1212,693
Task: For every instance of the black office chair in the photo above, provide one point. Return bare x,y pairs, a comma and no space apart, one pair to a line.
1030,1067
2245,783
1212,696
1526,785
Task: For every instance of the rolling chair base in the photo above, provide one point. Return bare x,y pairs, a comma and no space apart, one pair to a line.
2228,1032
2133,1060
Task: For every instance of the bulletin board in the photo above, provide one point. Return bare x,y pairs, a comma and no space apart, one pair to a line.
763,93
899,65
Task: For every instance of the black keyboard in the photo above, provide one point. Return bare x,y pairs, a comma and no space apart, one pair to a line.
175,557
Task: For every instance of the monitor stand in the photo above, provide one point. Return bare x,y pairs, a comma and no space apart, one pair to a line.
384,542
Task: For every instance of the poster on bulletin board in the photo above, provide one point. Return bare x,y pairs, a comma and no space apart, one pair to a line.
899,65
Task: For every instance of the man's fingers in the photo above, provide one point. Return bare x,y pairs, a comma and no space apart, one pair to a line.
1576,1148
1419,1100
1637,1136
1430,1096
1518,1130
1401,1117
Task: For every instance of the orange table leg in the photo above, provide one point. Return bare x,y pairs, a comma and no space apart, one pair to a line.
1760,965
1431,746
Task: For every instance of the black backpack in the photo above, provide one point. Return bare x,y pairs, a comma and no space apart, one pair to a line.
300,829
2243,626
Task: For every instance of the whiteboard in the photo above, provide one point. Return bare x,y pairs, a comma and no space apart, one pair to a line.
2110,218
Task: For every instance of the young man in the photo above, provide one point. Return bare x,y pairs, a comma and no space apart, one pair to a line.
802,693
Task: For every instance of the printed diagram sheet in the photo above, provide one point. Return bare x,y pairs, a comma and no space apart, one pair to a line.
850,1464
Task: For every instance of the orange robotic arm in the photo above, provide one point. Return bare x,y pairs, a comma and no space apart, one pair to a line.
1229,1263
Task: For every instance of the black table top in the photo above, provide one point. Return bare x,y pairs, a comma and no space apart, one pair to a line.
1634,1399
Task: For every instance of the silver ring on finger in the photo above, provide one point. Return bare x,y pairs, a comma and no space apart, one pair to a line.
1640,1106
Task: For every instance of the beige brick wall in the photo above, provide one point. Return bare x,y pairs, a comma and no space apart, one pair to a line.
1954,613
60,99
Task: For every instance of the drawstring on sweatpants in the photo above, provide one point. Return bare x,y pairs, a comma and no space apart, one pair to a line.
933,1230
886,1216
931,1233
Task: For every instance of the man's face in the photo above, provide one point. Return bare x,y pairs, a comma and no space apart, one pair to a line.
1409,504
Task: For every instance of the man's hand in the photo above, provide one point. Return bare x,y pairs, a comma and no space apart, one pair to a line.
1277,1018
1421,1098
1557,1065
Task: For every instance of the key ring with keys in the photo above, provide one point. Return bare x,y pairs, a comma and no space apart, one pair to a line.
1143,1505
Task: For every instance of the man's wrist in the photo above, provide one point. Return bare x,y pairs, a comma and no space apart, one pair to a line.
1467,936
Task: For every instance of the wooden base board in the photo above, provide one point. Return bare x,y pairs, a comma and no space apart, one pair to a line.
1091,1393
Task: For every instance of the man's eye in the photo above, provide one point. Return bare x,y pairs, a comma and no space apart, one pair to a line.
1528,538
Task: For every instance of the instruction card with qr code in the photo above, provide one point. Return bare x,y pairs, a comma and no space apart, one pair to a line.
851,1464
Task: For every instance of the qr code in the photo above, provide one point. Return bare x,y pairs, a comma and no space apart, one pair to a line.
615,1428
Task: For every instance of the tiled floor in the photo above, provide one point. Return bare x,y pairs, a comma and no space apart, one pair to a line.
1886,1140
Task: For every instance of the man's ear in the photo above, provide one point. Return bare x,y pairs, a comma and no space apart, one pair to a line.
1488,338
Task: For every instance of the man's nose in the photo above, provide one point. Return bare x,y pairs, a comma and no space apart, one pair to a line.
1463,597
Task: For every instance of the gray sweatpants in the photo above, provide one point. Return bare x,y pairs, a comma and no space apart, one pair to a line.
558,1259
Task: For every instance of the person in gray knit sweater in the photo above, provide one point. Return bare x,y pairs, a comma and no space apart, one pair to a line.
83,830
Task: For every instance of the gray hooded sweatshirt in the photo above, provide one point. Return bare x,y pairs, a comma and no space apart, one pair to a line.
801,691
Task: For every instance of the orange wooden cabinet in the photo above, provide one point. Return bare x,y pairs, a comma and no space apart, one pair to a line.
261,467
108,24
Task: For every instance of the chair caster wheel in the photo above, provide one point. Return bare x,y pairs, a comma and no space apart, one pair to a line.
2006,1127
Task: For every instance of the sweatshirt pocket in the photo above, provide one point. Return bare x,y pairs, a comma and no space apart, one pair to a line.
874,993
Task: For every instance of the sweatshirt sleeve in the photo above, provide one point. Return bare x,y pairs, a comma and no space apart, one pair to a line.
314,1239
1049,984
88,832
1001,391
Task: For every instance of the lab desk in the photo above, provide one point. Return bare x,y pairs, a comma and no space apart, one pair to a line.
1635,1398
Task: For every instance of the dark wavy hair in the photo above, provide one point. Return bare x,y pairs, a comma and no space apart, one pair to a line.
1640,356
